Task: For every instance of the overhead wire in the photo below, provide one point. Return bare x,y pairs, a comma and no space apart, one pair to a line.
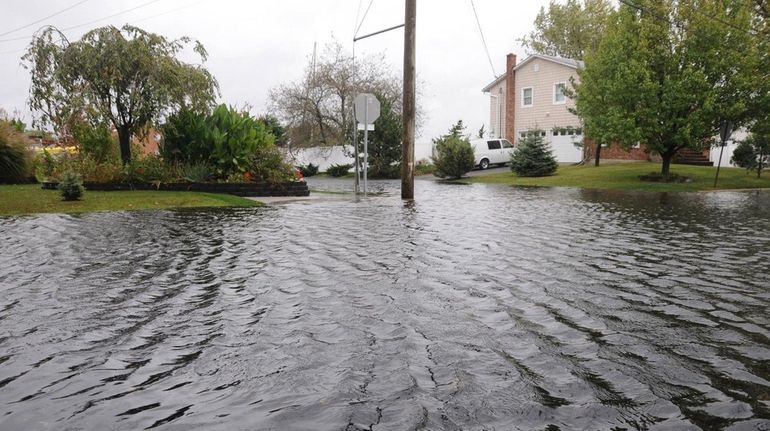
363,18
89,22
59,12
640,8
167,12
483,40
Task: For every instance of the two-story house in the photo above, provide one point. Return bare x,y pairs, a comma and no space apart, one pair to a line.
530,98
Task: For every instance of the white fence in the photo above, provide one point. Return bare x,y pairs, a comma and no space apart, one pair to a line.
323,157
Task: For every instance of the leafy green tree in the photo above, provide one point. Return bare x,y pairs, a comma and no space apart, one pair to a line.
533,157
754,152
453,155
666,73
127,77
569,30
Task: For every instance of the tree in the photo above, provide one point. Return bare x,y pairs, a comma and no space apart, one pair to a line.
666,73
754,152
128,77
317,109
385,142
481,132
453,155
533,157
569,30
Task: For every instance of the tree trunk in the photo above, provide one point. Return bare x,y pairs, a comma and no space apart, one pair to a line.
597,154
665,169
124,137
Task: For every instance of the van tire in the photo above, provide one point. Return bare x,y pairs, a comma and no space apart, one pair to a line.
483,164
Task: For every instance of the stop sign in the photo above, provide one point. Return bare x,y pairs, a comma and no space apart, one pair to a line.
367,108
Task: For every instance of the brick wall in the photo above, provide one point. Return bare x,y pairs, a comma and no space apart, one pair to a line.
510,97
615,152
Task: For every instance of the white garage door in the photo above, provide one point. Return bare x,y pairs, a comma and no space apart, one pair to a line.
564,148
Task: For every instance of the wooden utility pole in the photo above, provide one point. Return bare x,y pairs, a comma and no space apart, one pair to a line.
407,137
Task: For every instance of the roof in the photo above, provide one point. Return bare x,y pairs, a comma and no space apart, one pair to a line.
575,64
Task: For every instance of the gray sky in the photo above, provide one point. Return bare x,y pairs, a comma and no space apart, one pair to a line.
256,45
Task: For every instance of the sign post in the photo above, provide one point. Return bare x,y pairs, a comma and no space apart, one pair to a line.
367,110
724,133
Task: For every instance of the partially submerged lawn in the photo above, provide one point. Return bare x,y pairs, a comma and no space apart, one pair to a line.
30,198
625,176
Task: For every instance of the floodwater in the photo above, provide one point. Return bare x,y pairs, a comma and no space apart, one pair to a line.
475,307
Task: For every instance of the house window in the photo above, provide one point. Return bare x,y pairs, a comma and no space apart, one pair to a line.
526,96
558,93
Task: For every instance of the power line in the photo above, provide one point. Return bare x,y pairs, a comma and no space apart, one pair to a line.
111,16
633,5
89,22
358,14
363,18
43,19
478,23
167,12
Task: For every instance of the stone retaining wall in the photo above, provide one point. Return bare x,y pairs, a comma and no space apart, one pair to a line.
295,188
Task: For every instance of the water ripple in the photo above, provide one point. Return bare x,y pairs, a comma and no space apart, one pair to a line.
474,307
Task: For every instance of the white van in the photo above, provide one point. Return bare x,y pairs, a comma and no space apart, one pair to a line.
491,152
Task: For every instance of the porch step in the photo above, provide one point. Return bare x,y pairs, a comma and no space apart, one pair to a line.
690,157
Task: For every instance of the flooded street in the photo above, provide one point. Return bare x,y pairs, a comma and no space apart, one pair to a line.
476,307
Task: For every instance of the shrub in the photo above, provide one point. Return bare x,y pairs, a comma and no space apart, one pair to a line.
308,170
196,172
384,171
44,165
92,170
235,138
453,157
753,153
533,158
96,141
15,157
339,170
71,186
226,139
185,138
424,167
267,164
149,169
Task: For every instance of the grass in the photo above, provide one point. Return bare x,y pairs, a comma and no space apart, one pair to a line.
30,198
625,176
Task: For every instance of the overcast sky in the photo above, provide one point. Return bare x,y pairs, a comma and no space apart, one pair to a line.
256,45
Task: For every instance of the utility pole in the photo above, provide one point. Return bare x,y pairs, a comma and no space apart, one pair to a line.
407,137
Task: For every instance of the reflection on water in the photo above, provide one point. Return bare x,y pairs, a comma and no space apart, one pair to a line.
474,307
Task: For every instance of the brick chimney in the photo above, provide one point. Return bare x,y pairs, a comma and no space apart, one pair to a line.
510,97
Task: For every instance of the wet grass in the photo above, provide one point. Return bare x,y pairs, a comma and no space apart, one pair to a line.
30,198
625,176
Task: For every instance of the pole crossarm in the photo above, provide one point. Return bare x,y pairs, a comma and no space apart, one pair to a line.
356,39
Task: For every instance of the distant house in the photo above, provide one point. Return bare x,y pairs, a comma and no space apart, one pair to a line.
530,98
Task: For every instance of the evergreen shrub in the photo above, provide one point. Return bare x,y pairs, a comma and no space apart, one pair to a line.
533,158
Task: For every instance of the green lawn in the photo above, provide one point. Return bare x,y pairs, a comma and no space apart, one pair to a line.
625,176
30,198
